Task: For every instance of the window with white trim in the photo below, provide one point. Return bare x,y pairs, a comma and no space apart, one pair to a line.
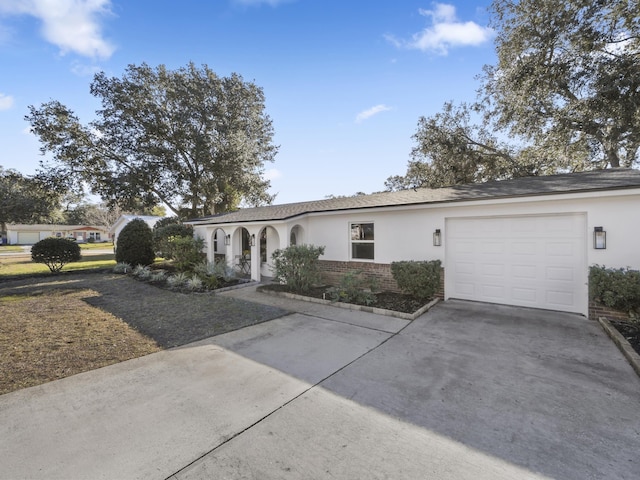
362,241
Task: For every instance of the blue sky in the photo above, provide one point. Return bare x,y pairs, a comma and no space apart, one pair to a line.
345,81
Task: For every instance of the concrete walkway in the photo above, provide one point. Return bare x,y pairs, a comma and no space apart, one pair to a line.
466,391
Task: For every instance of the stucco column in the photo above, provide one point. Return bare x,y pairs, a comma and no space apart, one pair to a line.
255,256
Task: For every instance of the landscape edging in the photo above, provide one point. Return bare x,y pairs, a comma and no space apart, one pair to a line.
351,306
627,350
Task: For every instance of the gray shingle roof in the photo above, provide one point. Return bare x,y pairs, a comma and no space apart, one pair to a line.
610,179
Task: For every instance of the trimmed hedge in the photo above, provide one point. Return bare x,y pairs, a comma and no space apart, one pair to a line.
617,288
297,266
135,244
55,253
419,279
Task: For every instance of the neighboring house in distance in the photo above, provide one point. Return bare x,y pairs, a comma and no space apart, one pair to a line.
526,242
120,223
23,234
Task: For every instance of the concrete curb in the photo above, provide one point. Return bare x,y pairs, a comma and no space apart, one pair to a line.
624,346
359,308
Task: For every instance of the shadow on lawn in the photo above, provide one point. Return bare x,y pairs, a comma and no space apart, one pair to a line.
169,318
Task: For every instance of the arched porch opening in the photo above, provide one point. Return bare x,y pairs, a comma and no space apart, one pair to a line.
219,245
269,243
296,235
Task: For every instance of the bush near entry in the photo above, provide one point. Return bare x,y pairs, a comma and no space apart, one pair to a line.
135,244
55,253
617,288
297,266
420,279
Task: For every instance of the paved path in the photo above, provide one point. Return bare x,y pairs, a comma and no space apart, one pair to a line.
465,391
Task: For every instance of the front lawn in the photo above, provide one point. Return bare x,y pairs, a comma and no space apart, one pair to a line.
23,265
54,326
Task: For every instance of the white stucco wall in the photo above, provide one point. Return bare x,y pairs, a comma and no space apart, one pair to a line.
406,233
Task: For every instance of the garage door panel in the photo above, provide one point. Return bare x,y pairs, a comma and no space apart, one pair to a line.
492,291
560,299
534,261
524,248
566,274
524,294
524,272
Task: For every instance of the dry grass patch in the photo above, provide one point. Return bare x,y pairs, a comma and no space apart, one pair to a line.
55,333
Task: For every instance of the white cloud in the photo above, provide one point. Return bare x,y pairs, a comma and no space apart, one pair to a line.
445,32
366,114
72,25
272,174
6,101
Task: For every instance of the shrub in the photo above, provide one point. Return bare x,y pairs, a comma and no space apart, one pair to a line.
354,288
142,272
135,244
122,267
186,252
616,288
162,237
194,283
419,279
91,240
177,280
297,266
55,253
215,269
158,276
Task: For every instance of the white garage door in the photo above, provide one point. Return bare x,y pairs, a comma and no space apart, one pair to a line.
531,261
28,238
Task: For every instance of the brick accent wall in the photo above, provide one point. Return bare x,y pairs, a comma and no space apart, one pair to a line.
333,270
598,310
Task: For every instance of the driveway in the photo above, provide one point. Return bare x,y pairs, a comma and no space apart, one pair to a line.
465,391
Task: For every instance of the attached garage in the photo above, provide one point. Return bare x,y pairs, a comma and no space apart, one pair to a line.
528,260
28,238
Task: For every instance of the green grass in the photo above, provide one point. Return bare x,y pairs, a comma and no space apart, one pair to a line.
96,246
10,248
10,266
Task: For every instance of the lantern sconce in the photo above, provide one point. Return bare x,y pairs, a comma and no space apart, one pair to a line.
437,238
253,239
599,238
227,240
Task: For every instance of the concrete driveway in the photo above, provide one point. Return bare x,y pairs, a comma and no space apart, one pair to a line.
466,391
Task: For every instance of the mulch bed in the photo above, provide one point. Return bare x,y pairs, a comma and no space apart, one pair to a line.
397,302
629,332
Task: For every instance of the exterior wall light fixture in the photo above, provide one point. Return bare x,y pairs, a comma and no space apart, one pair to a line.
437,238
227,240
253,239
599,238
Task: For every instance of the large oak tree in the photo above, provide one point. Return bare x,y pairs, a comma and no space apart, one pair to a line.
25,199
564,95
187,138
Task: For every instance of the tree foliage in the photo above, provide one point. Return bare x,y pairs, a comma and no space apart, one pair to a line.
55,253
568,76
563,96
163,237
24,199
135,244
187,138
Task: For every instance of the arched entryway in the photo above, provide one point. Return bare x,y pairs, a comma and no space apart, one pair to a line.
219,244
296,235
269,243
